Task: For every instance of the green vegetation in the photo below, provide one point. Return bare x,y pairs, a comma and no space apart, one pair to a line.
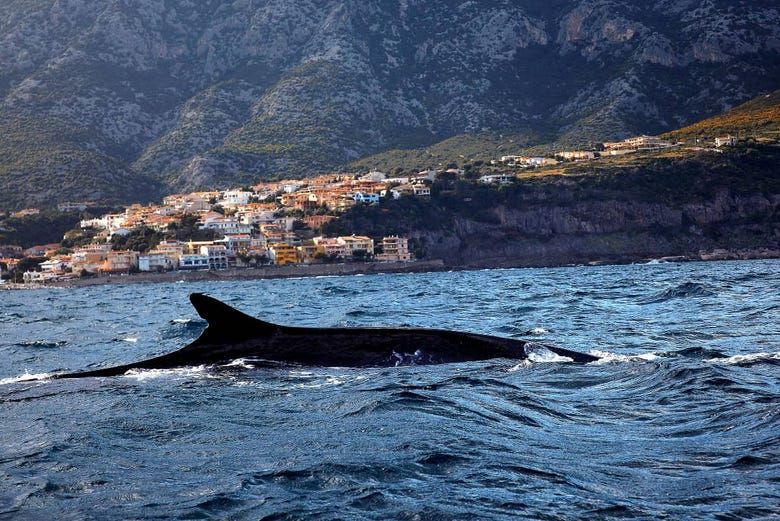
25,265
672,180
45,161
188,230
759,118
44,228
140,239
456,152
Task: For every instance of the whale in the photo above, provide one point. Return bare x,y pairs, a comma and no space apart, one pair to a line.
232,335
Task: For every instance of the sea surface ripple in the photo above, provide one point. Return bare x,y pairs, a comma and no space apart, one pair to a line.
680,420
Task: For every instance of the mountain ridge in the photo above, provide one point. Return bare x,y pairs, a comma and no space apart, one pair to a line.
147,97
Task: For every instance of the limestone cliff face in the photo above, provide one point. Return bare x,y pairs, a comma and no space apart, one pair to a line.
544,233
214,92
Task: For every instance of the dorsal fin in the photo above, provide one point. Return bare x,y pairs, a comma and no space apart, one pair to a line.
229,321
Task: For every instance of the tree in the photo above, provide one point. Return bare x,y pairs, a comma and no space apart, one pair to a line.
188,229
360,255
78,237
25,265
140,239
299,225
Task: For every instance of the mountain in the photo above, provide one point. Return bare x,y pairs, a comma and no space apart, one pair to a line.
127,99
758,119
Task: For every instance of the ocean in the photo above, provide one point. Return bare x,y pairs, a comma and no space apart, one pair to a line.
679,420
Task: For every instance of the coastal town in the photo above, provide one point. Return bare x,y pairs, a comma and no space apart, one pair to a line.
275,223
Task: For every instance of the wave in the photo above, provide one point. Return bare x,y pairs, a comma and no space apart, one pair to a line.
701,353
151,374
684,290
339,290
606,357
540,354
748,360
182,328
522,331
42,344
26,377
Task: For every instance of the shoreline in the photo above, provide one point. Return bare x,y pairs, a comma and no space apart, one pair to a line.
367,268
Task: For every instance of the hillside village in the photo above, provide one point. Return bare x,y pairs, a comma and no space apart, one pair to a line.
271,223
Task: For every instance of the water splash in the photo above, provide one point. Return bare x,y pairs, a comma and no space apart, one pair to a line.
746,360
26,377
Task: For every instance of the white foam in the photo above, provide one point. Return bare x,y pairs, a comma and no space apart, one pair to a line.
540,354
538,331
746,359
130,339
182,320
240,362
150,374
525,364
302,374
605,357
26,377
547,358
330,380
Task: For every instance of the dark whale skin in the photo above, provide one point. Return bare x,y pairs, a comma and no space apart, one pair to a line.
231,335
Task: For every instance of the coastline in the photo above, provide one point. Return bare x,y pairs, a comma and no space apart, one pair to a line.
347,269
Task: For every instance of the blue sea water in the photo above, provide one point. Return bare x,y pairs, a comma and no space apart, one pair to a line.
681,419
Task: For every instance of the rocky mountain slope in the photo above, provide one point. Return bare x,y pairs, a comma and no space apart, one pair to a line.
126,99
758,119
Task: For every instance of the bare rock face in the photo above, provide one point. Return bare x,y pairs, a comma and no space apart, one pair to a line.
189,93
549,234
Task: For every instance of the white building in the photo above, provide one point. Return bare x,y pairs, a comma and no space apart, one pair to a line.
355,243
374,176
395,249
40,277
257,217
193,261
362,197
291,187
156,262
235,243
226,225
421,190
577,155
728,141
236,197
541,161
108,222
492,179
633,144
397,180
217,256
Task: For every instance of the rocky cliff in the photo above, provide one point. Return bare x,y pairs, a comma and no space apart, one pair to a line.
138,97
666,207
610,231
